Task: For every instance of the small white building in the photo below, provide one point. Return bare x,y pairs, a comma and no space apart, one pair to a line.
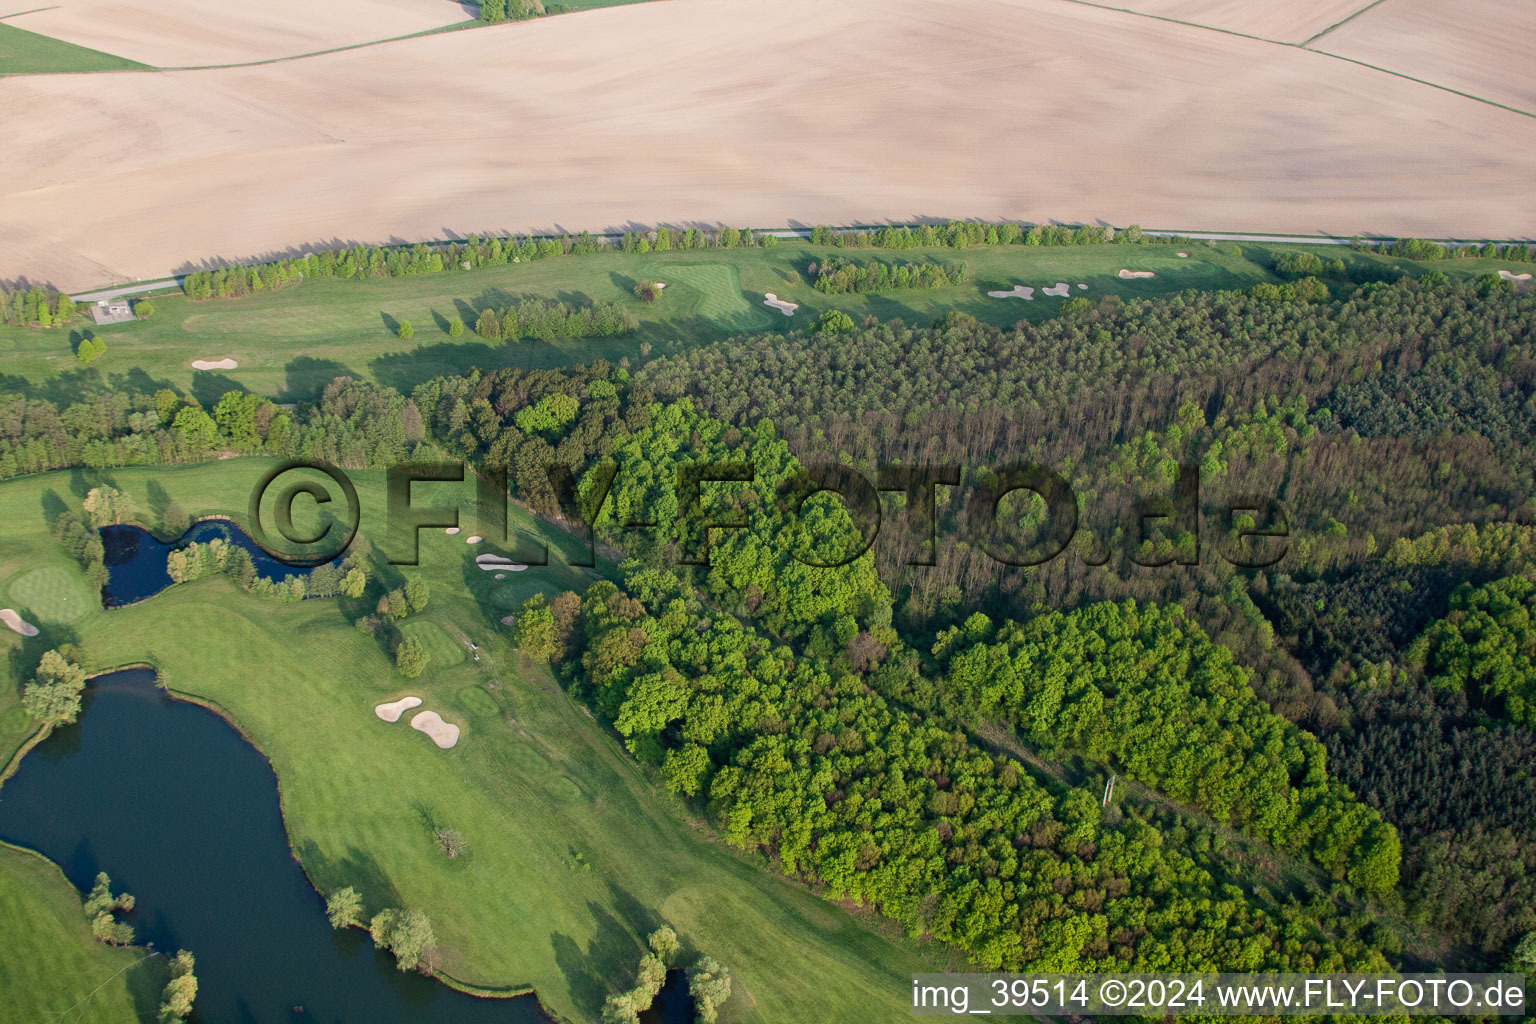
111,311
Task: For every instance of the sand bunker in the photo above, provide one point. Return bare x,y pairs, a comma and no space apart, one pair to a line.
214,364
492,563
392,711
499,576
1061,290
1183,255
1509,275
444,734
16,623
451,531
507,620
473,539
1018,291
1082,286
787,308
1127,275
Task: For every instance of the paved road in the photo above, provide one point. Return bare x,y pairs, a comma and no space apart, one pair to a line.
127,289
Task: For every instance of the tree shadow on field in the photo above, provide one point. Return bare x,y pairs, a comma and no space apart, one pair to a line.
356,868
74,386
603,967
404,370
308,376
208,387
440,321
136,381
623,282
53,506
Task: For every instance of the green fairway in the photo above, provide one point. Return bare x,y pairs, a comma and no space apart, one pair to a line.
444,651
27,53
575,853
51,969
289,343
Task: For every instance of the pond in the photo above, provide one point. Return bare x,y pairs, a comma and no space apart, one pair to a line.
181,811
136,560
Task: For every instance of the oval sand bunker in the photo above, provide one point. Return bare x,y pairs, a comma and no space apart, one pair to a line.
215,364
16,623
392,711
1126,275
444,734
451,531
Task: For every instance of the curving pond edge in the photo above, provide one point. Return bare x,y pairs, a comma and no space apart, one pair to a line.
488,994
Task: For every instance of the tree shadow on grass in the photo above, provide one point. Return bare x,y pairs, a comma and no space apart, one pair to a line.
308,376
606,966
208,387
356,868
404,370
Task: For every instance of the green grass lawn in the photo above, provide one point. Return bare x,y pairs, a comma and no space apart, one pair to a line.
27,53
289,343
575,854
51,969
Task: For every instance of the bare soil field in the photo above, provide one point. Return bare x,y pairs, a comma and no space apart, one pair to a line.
189,33
785,111
1293,22
1482,47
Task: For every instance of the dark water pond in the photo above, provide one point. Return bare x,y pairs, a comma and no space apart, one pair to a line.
172,802
136,560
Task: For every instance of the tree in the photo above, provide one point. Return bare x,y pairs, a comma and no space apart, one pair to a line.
416,594
53,696
536,629
180,991
452,842
344,908
663,942
355,582
646,290
493,12
195,428
834,321
411,657
405,330
101,905
90,350
620,1009
710,983
1523,958
455,328
107,506
405,933
143,309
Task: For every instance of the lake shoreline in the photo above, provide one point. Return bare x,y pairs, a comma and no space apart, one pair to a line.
488,993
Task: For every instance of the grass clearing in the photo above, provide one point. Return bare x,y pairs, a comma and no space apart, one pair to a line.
355,790
28,53
51,969
290,343
444,651
477,702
